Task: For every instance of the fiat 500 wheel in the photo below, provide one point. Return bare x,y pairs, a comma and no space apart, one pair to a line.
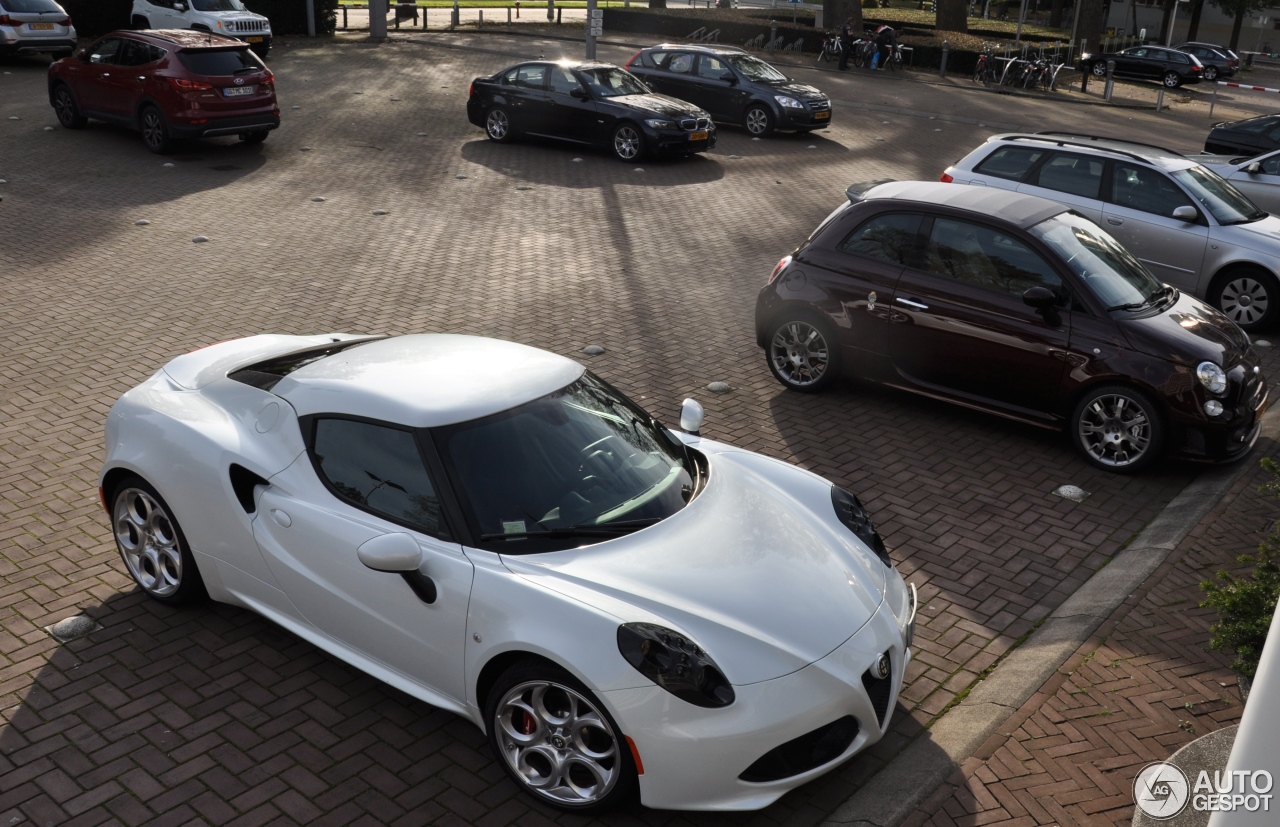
152,544
1247,297
497,125
804,354
1118,428
556,740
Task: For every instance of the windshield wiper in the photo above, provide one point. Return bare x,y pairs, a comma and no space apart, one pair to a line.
1149,300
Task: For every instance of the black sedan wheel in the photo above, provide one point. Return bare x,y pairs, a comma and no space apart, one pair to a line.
1172,80
497,125
1211,73
1118,428
758,121
628,143
1099,70
804,354
64,104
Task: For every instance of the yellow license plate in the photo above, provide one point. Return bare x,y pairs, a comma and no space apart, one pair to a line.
46,27
253,40
698,136
821,116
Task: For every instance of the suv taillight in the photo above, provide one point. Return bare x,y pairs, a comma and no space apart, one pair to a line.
6,20
778,269
66,21
946,179
184,85
471,90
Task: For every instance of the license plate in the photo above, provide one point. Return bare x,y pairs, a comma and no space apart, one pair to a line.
44,27
821,116
238,91
253,40
698,136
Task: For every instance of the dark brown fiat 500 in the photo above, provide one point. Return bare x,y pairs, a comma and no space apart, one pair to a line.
1018,306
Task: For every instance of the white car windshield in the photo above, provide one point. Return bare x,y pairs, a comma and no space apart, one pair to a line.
217,5
579,465
1107,269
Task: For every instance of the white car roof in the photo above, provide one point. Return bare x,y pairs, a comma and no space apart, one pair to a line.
427,380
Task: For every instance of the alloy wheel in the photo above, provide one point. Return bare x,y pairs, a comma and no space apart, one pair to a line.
757,121
1245,300
1115,430
64,107
626,143
558,743
1210,73
1099,70
800,354
153,129
497,125
1171,79
148,542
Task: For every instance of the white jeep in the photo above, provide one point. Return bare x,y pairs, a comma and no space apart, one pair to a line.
225,17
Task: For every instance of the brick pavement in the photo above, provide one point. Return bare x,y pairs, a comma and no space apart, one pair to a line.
213,715
1143,686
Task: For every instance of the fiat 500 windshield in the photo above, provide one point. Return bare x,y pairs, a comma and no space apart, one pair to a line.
581,463
1117,278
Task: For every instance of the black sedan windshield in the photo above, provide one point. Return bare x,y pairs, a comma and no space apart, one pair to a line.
755,69
1108,270
573,467
612,82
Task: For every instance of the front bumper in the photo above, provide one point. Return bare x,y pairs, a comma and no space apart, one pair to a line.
226,126
675,141
693,757
807,118
1228,437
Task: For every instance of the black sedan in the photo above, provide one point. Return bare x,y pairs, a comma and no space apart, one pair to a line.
1219,61
587,103
733,86
1249,137
1169,66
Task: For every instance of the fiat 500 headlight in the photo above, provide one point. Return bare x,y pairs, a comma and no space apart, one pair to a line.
675,663
1212,377
850,511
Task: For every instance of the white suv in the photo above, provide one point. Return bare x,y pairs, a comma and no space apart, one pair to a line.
225,17
30,27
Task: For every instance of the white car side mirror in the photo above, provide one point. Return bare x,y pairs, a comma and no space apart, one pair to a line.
391,552
691,416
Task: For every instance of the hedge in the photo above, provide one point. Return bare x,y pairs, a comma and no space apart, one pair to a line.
96,17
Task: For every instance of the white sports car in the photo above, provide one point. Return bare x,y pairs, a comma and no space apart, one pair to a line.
493,529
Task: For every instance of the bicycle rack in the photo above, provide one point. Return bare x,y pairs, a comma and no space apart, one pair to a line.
712,36
756,42
776,43
696,34
793,48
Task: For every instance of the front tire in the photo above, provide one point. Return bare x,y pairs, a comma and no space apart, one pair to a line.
556,740
1118,428
68,112
1099,70
155,131
1250,297
803,353
627,142
758,120
152,544
497,126
1172,80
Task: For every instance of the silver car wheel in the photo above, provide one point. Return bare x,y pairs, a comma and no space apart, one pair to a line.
757,121
626,143
558,743
1115,430
497,125
800,354
1211,73
1244,300
148,542
1171,79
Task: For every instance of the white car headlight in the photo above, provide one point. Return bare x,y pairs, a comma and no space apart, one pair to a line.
788,102
675,663
1212,377
658,123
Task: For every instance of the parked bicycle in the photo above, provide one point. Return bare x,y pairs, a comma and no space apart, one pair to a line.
986,70
832,47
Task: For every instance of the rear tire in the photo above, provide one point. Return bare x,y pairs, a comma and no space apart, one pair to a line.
1211,73
68,112
152,544
1172,80
803,352
1248,296
255,137
155,130
497,125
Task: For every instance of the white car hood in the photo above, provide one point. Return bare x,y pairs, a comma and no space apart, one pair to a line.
757,570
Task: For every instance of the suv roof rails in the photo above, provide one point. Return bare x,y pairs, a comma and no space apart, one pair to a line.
1104,138
1084,141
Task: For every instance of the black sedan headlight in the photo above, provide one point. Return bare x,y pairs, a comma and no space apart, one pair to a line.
850,511
675,663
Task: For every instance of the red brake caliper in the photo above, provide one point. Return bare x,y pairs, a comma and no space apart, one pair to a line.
527,723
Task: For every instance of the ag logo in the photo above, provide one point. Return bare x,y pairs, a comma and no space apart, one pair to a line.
1161,790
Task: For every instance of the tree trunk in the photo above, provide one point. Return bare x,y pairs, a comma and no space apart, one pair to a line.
1193,28
1090,27
834,13
1235,30
1055,14
1163,34
657,4
953,15
1133,14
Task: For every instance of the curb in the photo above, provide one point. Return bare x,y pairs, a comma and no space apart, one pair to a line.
901,785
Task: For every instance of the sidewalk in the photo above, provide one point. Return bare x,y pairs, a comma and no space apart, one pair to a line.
1145,685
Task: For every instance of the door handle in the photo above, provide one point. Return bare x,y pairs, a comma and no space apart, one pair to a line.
1115,222
282,519
911,304
424,587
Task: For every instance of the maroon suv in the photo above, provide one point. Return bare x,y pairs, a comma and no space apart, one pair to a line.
167,84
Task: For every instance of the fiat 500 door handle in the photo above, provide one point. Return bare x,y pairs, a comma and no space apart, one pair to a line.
911,304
